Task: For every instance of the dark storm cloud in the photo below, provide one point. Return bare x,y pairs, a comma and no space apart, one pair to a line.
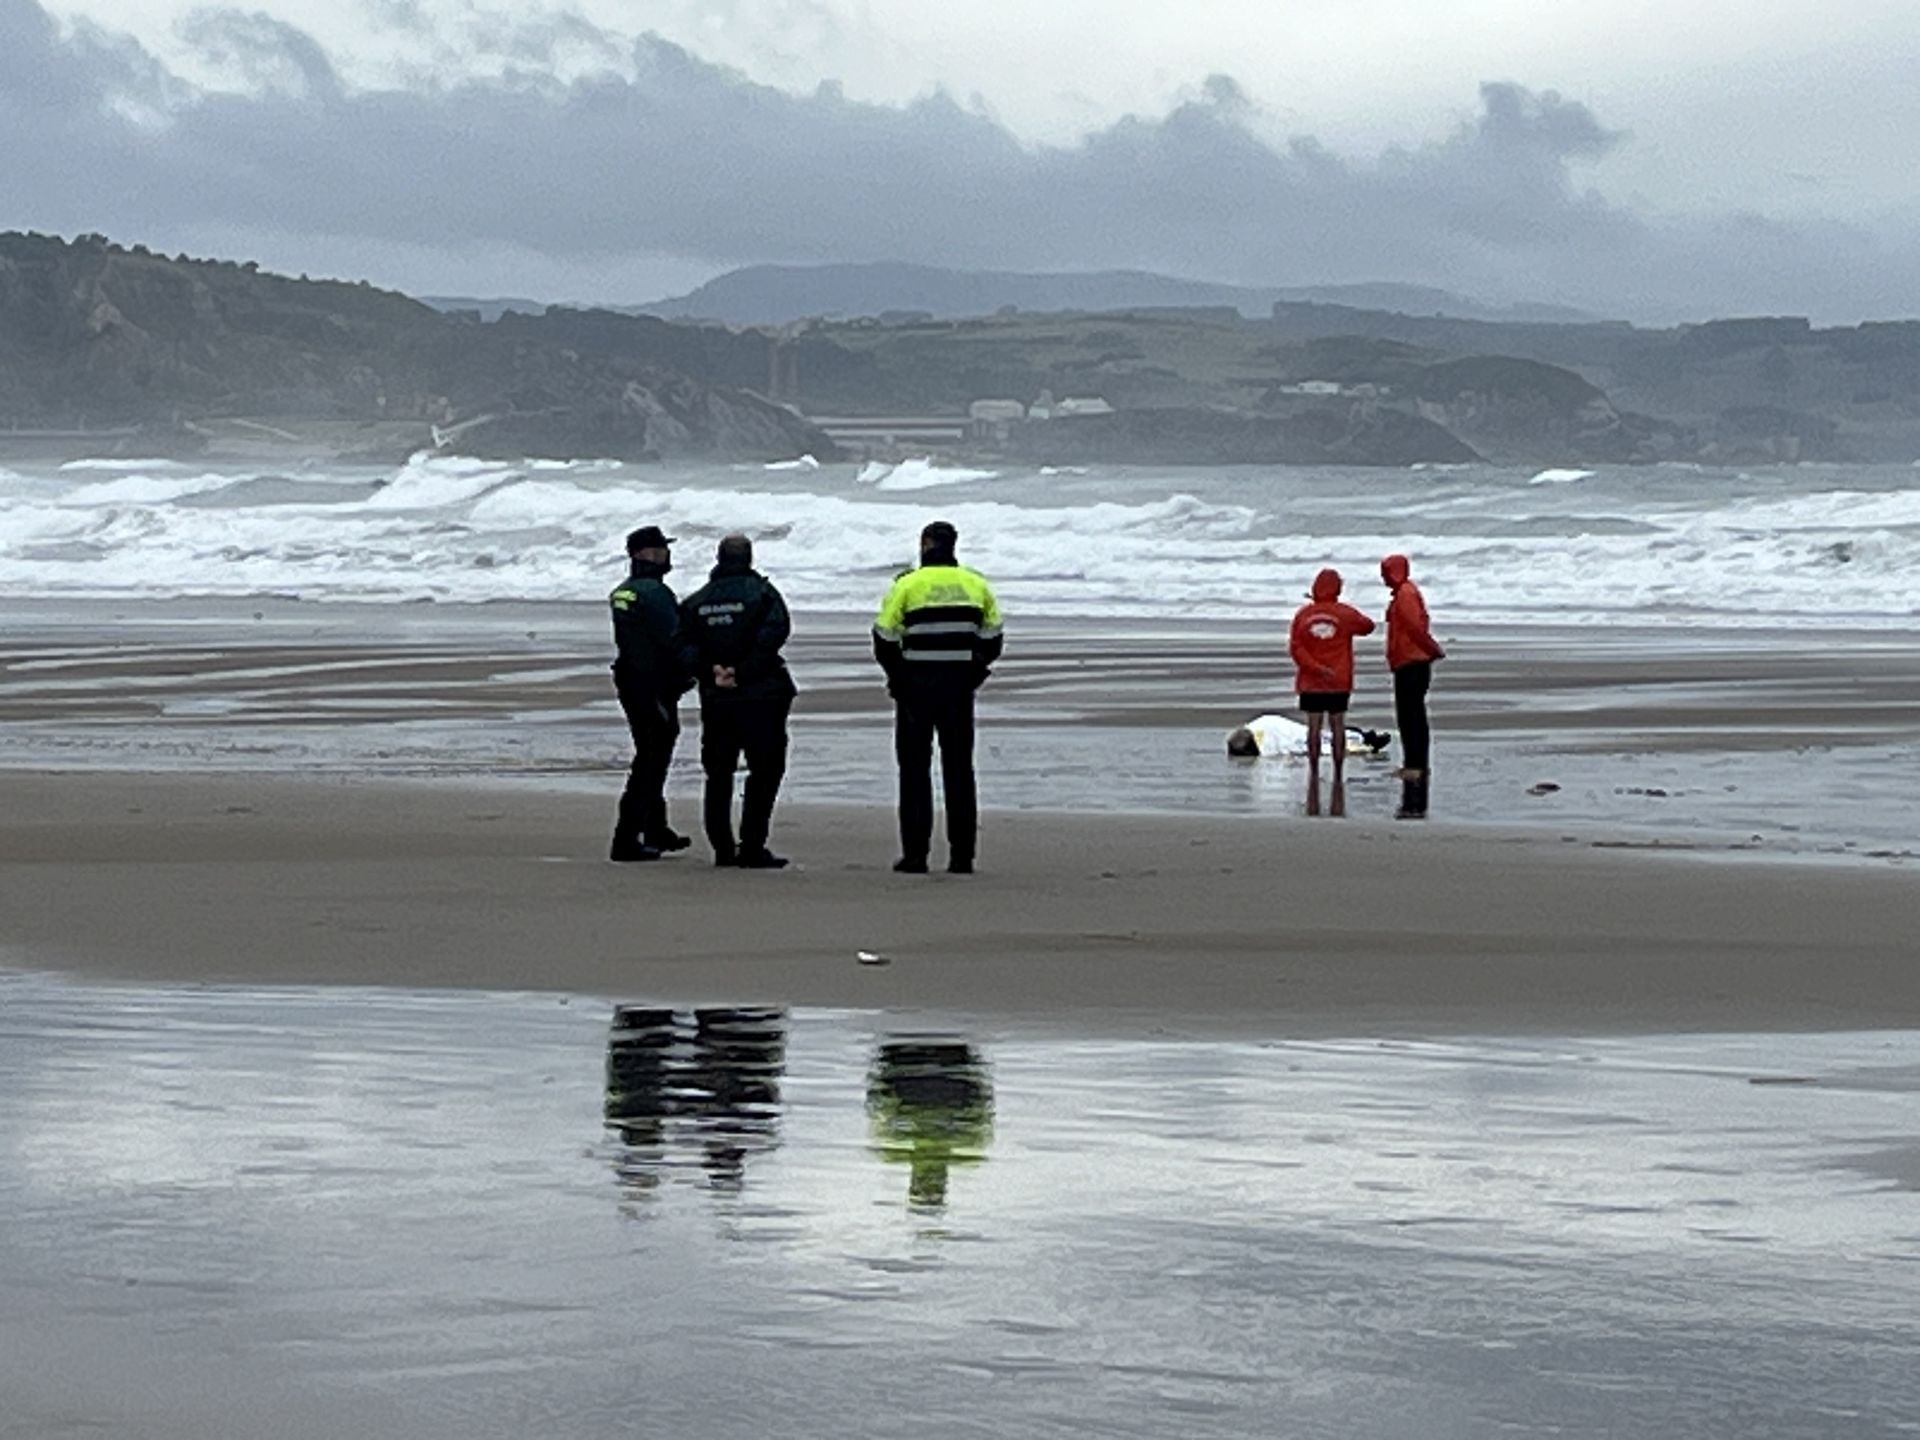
684,157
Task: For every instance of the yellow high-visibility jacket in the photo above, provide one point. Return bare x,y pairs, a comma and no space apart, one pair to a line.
939,624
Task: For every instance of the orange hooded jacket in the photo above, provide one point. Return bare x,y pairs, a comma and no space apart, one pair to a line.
1408,638
1321,642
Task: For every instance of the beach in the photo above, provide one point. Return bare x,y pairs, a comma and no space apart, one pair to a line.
344,1080
1146,922
1627,834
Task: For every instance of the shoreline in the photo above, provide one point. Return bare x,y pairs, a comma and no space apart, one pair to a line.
1124,925
1723,738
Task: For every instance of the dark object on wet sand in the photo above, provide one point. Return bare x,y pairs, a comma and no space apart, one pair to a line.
1545,787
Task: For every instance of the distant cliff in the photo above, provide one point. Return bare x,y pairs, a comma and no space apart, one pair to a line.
93,334
782,294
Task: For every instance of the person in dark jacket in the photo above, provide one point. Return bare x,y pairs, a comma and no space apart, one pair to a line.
936,637
649,678
1411,653
731,633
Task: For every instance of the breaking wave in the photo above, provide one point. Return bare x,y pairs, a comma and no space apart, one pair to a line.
1654,547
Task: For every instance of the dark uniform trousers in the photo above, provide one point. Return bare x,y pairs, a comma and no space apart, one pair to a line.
655,727
732,726
1410,683
922,714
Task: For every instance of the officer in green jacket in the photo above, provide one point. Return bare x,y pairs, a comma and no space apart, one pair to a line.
649,679
936,636
731,632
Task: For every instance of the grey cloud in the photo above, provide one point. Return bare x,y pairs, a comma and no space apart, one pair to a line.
674,155
266,54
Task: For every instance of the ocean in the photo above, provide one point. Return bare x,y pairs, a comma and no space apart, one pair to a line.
1702,657
1790,547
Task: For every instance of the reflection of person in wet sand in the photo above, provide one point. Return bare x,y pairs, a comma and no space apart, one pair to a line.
709,1080
931,1107
732,1087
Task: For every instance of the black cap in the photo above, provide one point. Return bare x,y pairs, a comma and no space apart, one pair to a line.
648,537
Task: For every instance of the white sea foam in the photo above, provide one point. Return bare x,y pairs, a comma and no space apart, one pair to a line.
141,488
1560,477
803,462
428,482
117,466
920,475
1642,547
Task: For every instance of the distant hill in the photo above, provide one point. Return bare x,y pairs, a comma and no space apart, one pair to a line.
94,334
782,294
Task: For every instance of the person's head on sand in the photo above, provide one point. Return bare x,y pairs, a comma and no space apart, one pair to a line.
734,554
650,545
1395,570
939,543
1242,744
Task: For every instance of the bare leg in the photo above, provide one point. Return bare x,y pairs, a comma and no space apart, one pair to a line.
1337,740
1313,762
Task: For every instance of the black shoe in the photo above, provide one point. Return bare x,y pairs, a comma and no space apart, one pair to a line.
958,866
904,866
761,859
726,859
626,851
669,840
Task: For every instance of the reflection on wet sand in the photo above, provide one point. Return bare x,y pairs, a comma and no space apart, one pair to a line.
930,1104
701,1085
370,1213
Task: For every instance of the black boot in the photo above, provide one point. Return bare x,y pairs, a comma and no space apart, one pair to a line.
1413,799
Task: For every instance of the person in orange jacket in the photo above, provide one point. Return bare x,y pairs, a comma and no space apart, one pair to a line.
1321,644
1411,651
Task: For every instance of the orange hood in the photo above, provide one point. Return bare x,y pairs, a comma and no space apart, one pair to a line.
1326,585
1395,569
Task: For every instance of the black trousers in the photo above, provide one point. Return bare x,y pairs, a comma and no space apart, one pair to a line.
919,717
1410,684
655,725
732,726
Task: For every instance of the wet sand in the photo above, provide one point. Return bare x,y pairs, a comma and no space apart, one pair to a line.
1778,743
312,1213
1118,924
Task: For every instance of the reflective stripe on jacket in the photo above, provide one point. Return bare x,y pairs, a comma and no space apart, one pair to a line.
938,618
646,633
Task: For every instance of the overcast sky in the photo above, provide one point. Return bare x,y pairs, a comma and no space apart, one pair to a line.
1658,160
